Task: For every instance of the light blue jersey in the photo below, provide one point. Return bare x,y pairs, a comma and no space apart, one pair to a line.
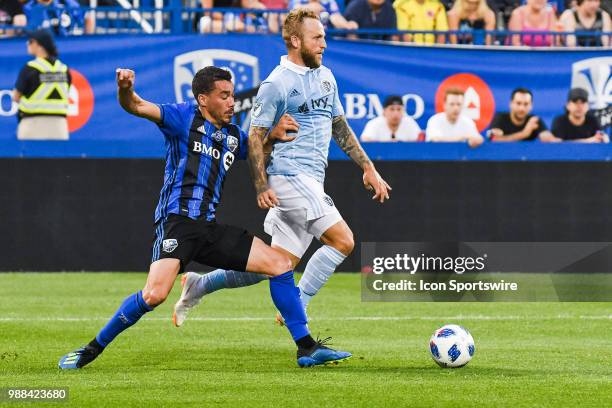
310,96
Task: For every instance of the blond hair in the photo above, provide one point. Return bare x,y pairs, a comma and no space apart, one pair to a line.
459,8
293,24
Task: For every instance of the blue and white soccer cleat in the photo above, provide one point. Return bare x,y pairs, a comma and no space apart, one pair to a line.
78,358
188,299
321,355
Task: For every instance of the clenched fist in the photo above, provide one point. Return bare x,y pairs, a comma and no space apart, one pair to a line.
125,78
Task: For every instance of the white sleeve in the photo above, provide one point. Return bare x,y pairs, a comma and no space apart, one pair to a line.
412,129
473,130
369,132
434,131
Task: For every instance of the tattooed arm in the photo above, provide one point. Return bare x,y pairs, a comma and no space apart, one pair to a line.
265,196
346,139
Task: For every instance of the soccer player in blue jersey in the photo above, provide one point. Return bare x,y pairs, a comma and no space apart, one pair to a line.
201,146
291,186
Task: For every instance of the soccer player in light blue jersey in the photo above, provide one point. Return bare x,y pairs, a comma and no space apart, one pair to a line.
302,96
201,146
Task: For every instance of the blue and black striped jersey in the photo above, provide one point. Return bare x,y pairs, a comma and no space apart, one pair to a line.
198,156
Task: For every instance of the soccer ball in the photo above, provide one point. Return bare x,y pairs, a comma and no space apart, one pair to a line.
451,346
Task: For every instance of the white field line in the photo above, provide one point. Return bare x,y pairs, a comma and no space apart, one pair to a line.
350,318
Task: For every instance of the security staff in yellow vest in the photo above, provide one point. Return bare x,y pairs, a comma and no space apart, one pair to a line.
42,91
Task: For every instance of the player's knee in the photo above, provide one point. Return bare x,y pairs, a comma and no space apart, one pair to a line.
154,296
345,244
279,264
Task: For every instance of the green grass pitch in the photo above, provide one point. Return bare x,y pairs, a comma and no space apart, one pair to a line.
231,354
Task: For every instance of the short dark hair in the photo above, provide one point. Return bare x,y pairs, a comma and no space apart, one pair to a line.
393,100
204,80
521,90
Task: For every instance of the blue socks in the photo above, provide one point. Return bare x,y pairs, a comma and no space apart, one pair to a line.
222,279
130,311
286,298
285,295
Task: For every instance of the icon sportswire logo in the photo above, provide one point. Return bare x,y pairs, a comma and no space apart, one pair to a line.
243,67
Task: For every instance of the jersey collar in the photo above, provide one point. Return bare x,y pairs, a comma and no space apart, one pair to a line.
298,69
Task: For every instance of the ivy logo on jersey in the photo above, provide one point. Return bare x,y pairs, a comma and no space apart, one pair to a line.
243,67
218,136
232,143
595,76
169,245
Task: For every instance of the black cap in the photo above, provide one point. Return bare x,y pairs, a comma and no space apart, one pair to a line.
576,94
45,39
393,100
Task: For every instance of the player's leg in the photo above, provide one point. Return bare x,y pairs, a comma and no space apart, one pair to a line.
338,243
162,275
173,247
323,221
195,286
234,248
286,298
287,238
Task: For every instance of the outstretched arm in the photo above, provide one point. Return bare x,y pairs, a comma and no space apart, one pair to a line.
346,139
130,101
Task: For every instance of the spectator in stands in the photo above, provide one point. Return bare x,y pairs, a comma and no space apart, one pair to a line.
61,16
275,4
470,15
503,10
535,16
421,15
276,20
587,17
451,125
11,13
220,22
519,124
42,91
328,12
577,124
448,4
372,14
393,126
